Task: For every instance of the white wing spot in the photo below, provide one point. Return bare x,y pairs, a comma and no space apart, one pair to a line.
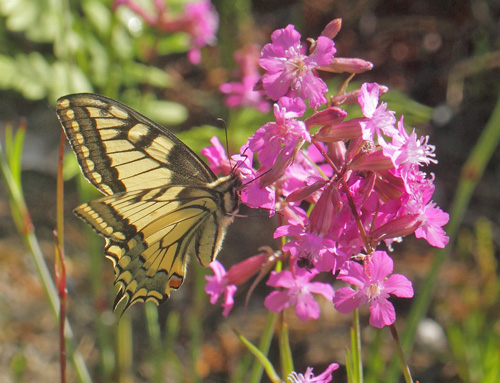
136,133
84,151
64,103
79,138
106,189
90,165
75,126
118,112
97,177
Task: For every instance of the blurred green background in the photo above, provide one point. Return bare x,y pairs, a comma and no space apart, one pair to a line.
441,61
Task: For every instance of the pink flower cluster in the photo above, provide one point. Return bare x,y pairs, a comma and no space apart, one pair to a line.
199,20
343,186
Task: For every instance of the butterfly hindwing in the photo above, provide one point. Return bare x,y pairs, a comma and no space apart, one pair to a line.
162,204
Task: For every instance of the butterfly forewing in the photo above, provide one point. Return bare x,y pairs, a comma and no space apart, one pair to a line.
119,149
162,204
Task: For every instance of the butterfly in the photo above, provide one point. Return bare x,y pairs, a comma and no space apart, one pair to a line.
161,204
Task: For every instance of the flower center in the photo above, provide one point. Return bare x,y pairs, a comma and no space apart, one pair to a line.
373,291
295,64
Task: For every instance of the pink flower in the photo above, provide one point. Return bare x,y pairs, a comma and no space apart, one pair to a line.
200,21
308,377
297,291
379,119
431,217
308,249
290,72
224,283
218,285
243,93
410,150
431,228
374,288
276,143
217,158
252,193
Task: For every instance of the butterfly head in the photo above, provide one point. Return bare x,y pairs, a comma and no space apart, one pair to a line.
229,186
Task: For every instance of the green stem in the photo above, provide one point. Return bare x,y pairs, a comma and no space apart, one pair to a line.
153,327
124,349
401,356
356,348
285,351
264,344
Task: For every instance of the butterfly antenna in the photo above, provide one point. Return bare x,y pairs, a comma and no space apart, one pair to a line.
223,123
256,178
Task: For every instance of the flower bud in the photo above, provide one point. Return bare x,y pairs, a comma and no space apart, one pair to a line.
347,65
322,215
332,29
246,269
330,116
372,161
302,193
343,131
398,227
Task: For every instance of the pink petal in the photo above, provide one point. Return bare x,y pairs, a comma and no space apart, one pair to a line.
325,49
399,286
276,85
353,273
368,99
326,376
277,301
321,288
218,268
381,265
282,279
288,231
313,88
346,300
286,38
382,313
229,300
307,308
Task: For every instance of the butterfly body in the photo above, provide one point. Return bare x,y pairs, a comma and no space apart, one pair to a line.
161,203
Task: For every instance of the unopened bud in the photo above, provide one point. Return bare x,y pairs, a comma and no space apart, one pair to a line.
332,29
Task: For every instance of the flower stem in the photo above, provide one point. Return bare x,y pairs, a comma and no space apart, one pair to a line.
285,351
401,357
356,348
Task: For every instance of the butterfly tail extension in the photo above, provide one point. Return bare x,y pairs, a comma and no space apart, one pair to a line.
140,281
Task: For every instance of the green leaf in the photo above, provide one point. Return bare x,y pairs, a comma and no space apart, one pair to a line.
98,14
198,137
35,78
173,43
268,367
165,112
38,19
14,151
135,73
67,78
